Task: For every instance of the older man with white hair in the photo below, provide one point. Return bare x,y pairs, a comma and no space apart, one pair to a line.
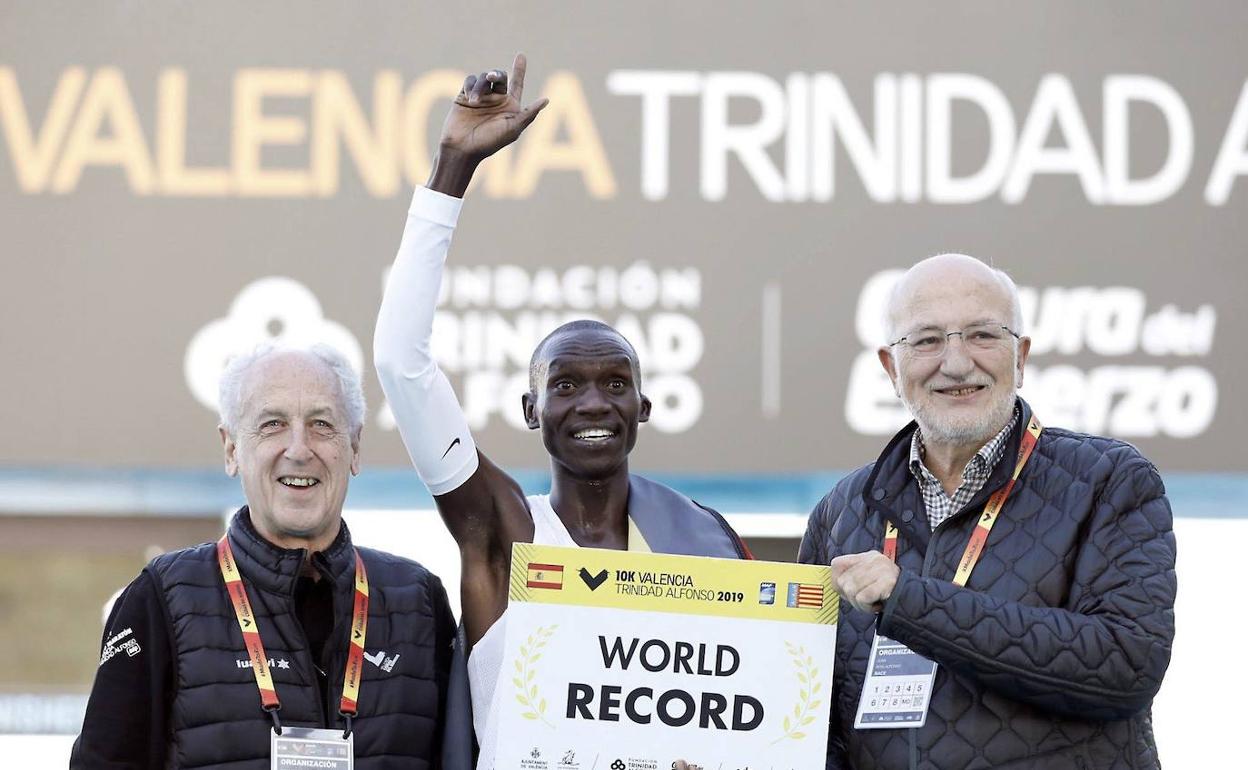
1009,587
282,638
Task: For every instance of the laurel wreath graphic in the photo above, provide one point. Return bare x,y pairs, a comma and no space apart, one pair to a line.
527,693
808,687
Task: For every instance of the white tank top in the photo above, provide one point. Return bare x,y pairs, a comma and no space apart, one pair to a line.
486,660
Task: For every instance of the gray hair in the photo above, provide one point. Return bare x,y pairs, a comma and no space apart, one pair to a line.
230,390
1007,283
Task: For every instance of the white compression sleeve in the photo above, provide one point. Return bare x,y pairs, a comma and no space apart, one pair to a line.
428,415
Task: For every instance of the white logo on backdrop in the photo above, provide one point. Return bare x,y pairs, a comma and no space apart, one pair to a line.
1127,400
490,318
274,308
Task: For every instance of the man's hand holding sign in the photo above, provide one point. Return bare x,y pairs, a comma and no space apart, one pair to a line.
865,580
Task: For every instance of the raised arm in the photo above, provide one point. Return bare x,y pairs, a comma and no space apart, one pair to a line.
483,508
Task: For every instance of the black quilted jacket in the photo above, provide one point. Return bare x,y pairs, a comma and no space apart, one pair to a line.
1051,655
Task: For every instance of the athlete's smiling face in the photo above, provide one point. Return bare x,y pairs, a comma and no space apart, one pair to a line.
587,401
293,449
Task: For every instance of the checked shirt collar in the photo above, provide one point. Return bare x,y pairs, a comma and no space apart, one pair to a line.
941,506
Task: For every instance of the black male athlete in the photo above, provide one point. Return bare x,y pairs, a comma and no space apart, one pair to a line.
585,397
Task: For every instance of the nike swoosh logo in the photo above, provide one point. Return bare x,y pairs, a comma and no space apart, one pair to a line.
449,448
593,581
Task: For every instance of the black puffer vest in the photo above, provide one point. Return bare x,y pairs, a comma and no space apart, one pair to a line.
217,720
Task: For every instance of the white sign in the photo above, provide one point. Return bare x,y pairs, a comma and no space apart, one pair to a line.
628,661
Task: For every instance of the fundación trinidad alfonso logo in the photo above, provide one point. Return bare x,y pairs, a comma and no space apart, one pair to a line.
273,309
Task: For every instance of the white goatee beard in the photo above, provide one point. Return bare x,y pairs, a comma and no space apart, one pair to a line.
978,429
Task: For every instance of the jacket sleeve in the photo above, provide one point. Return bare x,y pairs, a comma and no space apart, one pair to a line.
454,741
815,545
127,718
1102,655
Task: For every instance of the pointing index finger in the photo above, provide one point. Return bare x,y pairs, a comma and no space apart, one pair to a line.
516,86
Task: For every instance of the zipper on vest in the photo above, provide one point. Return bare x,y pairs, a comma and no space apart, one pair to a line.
322,696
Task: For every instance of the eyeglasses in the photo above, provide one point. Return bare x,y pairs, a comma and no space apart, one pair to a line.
932,342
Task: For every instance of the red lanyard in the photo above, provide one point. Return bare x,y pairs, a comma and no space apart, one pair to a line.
979,538
255,649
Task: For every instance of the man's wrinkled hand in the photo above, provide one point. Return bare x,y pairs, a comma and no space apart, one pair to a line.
487,114
865,580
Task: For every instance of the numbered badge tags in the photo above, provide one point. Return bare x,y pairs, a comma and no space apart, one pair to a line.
898,687
301,748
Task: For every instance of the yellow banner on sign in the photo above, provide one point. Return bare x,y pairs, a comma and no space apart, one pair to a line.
691,585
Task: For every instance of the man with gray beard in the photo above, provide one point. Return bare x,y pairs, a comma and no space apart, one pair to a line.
1009,587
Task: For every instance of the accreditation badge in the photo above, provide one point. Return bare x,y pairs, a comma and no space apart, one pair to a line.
898,688
619,660
310,748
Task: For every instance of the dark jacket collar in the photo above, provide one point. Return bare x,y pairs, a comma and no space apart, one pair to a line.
891,489
272,568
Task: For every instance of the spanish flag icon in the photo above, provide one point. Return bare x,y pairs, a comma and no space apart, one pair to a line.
545,575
